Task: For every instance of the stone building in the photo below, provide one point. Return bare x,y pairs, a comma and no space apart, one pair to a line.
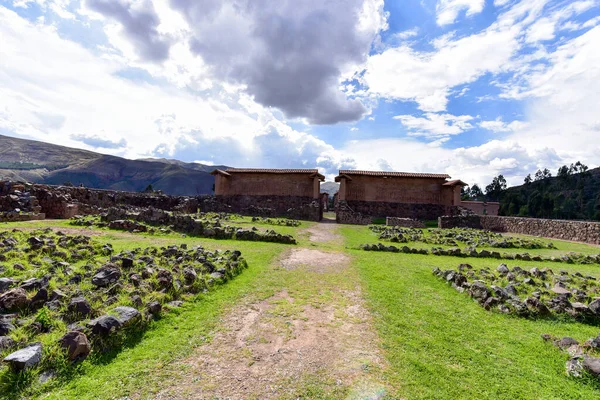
293,193
364,195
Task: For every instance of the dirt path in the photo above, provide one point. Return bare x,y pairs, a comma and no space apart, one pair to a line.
313,338
323,232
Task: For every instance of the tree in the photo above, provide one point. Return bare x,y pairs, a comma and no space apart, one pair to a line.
495,189
563,172
465,193
149,189
528,179
546,173
539,175
476,193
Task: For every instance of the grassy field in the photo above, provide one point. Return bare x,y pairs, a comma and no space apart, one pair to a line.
443,345
439,343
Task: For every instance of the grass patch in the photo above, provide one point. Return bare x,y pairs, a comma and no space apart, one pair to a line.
442,345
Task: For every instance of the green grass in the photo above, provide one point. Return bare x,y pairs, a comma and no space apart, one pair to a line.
366,236
439,343
442,345
138,366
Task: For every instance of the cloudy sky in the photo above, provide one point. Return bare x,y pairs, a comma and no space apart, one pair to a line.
469,87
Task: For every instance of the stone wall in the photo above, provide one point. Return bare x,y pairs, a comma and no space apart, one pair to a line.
578,231
345,215
376,209
296,207
404,222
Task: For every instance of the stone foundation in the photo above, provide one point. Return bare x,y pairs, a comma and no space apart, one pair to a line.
577,231
352,212
344,215
404,222
296,207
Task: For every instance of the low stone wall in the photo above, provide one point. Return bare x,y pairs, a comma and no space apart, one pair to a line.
18,217
404,222
296,207
578,231
347,216
377,209
66,201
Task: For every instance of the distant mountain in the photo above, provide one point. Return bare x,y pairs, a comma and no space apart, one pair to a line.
39,162
571,196
330,187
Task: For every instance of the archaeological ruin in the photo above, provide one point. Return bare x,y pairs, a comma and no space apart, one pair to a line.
364,195
293,193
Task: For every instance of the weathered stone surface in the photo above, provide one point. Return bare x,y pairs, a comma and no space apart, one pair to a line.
594,307
6,342
79,306
592,365
25,358
503,269
154,307
6,327
561,290
566,342
14,299
5,284
127,315
104,325
77,345
106,275
479,291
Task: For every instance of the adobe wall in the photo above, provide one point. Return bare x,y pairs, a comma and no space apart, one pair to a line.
296,207
263,184
578,231
397,190
481,207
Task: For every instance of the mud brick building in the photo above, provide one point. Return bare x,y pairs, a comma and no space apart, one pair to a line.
293,193
482,207
364,195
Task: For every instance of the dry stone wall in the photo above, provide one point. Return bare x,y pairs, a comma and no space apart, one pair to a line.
404,222
578,231
359,212
296,207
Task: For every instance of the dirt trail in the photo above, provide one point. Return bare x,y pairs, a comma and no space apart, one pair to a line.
278,347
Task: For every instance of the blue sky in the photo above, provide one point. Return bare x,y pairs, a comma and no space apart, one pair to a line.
472,88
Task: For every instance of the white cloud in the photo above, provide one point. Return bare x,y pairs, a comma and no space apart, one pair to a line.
448,10
435,125
498,125
64,94
286,54
427,77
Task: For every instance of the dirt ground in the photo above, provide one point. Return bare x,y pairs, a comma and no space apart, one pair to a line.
323,232
274,348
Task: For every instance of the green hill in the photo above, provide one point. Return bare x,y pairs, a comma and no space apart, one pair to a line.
39,162
568,196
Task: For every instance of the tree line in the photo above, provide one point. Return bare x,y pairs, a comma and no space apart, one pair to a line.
574,193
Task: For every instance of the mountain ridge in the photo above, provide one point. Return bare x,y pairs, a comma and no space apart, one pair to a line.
40,162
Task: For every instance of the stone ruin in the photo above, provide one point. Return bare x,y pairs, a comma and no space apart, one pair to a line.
18,204
26,201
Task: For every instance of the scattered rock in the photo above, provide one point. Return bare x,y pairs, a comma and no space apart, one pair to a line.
127,315
25,358
77,345
14,300
104,325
